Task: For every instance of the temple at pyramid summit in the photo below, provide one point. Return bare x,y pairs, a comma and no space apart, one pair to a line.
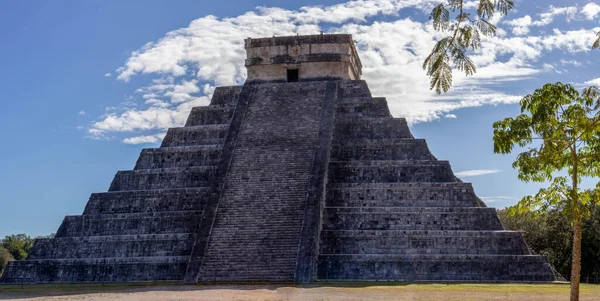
298,175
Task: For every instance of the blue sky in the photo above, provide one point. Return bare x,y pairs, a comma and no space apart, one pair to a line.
87,84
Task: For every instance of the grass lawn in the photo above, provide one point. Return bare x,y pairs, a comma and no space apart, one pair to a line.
284,292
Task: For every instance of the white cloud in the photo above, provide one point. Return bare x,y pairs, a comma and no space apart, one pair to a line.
144,139
591,10
571,62
81,113
450,116
520,26
593,82
476,172
191,61
500,201
107,75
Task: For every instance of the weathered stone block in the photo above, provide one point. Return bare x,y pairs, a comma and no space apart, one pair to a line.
138,201
195,135
177,157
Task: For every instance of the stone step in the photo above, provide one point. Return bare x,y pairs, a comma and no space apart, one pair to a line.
353,89
425,267
129,224
362,107
226,95
370,128
144,245
399,194
164,178
422,242
400,203
196,135
96,270
411,218
139,201
390,171
180,156
213,114
382,149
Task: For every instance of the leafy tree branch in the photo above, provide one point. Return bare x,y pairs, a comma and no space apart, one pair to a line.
464,34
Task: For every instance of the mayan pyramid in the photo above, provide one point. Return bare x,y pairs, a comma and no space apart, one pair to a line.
298,175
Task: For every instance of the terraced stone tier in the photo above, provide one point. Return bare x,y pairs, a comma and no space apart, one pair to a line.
353,89
421,267
195,135
390,171
411,218
371,128
181,156
96,270
227,95
113,246
213,114
140,201
422,242
362,107
165,178
129,224
455,194
381,149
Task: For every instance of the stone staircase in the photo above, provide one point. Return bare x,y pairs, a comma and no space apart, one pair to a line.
144,227
257,229
395,212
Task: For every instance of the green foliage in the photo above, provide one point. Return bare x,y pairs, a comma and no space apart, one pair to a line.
464,33
561,127
5,257
18,245
550,234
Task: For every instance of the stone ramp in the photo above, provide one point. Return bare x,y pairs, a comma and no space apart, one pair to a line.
144,227
259,221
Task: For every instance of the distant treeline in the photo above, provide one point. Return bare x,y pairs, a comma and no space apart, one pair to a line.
16,247
550,234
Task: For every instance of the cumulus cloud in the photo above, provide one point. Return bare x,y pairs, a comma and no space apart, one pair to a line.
520,26
189,62
593,82
591,10
107,75
81,113
476,172
500,200
450,116
144,139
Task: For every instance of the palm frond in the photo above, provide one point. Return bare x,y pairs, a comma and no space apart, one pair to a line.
486,27
441,17
485,9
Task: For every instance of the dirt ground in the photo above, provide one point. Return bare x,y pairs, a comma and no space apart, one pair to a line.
321,292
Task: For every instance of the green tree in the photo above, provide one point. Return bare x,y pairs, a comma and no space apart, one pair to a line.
464,28
5,257
561,127
18,245
550,234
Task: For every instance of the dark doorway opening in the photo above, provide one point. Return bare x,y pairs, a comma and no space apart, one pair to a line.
292,75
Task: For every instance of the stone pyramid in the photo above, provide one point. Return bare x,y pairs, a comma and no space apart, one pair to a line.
298,175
